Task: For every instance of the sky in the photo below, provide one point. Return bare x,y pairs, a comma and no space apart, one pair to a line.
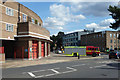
73,16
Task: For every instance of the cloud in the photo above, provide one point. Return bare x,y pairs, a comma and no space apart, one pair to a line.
104,24
60,16
89,1
98,9
74,31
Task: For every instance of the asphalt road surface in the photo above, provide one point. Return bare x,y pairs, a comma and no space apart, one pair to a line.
89,68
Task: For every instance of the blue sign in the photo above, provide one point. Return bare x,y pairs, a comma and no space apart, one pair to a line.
26,50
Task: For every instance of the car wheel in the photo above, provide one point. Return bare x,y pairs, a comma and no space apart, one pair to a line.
94,55
75,55
116,57
109,57
119,57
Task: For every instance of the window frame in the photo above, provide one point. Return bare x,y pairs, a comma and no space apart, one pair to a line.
24,17
9,27
9,11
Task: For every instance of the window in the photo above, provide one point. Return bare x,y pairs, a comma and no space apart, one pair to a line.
96,48
9,11
38,23
24,18
110,41
114,35
92,48
33,21
9,27
117,35
114,41
111,35
99,35
111,47
89,48
102,35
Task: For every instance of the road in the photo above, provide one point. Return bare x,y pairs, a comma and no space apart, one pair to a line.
89,68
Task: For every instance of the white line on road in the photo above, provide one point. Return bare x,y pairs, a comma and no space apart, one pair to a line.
38,70
55,71
53,68
90,67
68,71
78,65
97,66
100,66
39,76
31,74
71,68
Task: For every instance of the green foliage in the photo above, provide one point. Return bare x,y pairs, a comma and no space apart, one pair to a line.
57,40
36,21
115,13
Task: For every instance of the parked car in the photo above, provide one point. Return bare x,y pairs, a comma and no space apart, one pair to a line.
58,51
114,54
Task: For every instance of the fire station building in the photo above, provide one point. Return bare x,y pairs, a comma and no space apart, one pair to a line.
22,34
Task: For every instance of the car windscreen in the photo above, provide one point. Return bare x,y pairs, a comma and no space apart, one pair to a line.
112,52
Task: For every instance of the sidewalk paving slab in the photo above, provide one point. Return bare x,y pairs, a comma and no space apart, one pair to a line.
54,58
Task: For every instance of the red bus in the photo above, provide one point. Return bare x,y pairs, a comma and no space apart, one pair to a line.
91,50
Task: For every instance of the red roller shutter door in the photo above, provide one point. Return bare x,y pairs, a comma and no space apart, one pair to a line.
43,49
47,50
34,49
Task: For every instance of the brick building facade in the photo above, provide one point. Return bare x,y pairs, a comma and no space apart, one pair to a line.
104,40
22,34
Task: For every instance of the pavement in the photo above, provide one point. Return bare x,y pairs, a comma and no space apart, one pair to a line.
103,68
53,58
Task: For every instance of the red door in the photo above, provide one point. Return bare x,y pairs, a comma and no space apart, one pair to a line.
34,49
43,49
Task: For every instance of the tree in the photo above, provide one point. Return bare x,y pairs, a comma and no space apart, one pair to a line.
57,41
60,40
115,13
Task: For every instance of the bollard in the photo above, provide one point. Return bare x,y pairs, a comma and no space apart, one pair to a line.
78,56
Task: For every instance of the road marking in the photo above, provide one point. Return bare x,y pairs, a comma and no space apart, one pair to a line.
31,74
90,67
71,68
78,65
97,66
53,68
39,70
39,76
55,71
100,66
68,71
